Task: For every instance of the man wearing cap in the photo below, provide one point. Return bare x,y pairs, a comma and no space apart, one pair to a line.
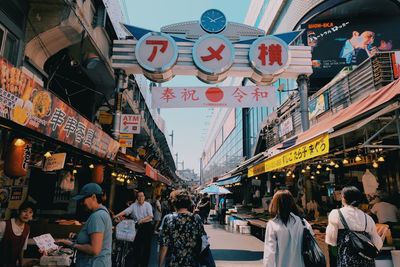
142,212
94,241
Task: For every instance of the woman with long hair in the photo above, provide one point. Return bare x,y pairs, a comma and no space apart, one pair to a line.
357,220
284,233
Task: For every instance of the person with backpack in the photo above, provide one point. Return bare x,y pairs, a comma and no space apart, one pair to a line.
343,223
284,233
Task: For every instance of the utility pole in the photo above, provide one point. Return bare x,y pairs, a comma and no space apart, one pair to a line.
172,138
176,155
120,76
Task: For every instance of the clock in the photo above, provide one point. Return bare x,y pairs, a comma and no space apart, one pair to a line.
213,21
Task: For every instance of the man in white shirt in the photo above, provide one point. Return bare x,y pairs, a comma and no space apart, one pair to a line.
142,212
386,212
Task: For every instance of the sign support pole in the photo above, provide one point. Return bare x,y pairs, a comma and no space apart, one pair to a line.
302,81
120,76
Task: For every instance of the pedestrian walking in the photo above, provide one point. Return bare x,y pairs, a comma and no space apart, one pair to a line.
284,233
14,236
180,236
204,207
94,241
142,212
357,220
157,213
222,209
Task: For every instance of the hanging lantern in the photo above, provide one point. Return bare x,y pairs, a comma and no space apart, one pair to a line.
17,158
98,174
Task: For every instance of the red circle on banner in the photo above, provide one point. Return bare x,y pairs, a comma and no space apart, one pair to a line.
214,94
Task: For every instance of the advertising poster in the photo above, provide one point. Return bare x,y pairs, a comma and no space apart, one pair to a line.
340,43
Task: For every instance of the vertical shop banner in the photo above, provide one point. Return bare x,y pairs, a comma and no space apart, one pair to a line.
396,64
317,106
230,96
130,124
24,102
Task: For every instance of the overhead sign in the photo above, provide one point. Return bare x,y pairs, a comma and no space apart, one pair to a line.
211,49
26,103
105,118
286,126
130,124
229,96
126,140
315,147
55,162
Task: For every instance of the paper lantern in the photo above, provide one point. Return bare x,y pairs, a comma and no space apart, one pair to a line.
17,158
98,174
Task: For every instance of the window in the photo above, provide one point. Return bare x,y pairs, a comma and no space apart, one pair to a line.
8,46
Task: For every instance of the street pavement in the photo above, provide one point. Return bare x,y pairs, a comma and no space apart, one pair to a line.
229,249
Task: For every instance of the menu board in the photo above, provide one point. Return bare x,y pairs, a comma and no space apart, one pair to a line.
26,103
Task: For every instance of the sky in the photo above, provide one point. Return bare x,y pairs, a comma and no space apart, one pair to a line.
190,125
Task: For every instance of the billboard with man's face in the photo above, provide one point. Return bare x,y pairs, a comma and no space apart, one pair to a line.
340,43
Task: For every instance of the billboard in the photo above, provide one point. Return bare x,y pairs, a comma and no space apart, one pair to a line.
340,43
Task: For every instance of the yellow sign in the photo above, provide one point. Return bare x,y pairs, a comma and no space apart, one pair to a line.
125,140
105,117
315,147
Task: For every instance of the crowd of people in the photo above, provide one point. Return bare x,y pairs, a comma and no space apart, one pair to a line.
178,221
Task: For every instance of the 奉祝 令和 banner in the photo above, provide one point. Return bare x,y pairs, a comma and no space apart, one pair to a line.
229,96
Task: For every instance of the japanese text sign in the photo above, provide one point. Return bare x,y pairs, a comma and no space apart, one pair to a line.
310,149
24,102
55,162
230,96
130,124
156,52
213,54
269,55
126,140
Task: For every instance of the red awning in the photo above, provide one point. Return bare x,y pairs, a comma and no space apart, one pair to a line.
131,163
358,110
156,176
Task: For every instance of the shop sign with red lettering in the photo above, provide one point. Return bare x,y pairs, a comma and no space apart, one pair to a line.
130,124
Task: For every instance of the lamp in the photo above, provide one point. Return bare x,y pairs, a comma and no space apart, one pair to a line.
319,166
308,167
47,154
336,165
381,159
74,171
312,177
358,158
328,169
303,171
19,142
375,165
114,174
345,161
274,176
91,166
332,163
317,172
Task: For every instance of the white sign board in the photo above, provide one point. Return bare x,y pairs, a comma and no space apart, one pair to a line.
230,96
286,127
55,162
130,124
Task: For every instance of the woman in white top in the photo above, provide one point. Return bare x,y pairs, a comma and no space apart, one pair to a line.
358,221
284,233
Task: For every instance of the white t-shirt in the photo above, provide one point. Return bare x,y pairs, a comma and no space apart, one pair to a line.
355,219
385,212
15,228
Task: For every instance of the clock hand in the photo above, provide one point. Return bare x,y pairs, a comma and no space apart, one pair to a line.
211,20
217,18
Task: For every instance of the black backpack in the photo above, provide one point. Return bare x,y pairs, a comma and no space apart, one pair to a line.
312,253
359,242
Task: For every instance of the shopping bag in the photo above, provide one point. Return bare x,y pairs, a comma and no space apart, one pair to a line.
312,253
126,230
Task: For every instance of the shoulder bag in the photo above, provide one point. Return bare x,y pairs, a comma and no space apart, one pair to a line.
312,253
360,243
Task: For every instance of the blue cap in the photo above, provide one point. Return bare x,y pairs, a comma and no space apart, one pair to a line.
88,190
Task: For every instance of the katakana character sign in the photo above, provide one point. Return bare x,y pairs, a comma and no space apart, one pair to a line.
213,54
57,119
269,55
156,52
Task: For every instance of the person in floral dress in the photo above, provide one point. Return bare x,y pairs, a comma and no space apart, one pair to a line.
180,235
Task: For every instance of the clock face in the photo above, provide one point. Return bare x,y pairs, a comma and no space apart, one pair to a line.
213,21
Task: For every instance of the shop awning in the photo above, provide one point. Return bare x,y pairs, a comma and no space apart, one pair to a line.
230,180
280,156
131,163
156,176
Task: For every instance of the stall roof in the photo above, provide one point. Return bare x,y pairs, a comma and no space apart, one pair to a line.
131,163
378,101
230,180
